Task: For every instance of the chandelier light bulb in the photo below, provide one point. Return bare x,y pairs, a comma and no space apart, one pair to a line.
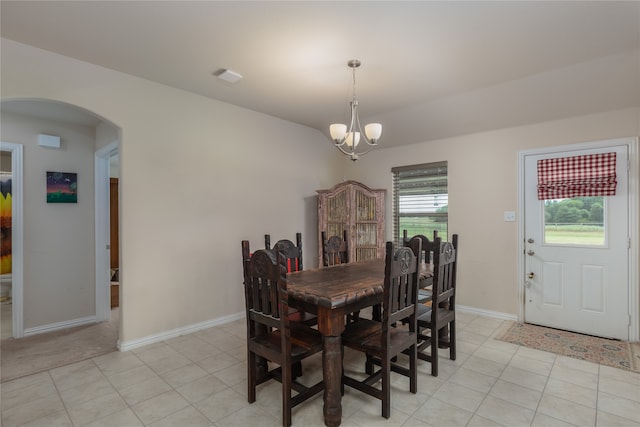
338,131
352,139
373,131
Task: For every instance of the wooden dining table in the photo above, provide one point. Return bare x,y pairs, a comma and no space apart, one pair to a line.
331,293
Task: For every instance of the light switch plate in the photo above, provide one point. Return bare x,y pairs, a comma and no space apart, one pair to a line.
509,216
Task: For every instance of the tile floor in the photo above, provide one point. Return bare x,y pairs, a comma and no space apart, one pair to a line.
200,380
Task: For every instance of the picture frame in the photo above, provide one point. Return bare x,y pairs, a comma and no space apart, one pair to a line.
62,187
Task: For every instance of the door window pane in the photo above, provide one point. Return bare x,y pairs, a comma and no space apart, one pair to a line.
576,221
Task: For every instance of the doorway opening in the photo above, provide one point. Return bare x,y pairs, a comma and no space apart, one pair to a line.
107,171
11,276
81,133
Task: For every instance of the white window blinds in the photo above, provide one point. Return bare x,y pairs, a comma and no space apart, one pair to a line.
420,199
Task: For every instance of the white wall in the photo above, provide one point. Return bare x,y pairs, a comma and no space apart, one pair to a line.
197,176
59,260
106,133
483,183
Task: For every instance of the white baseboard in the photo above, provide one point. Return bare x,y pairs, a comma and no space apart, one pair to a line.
486,313
150,339
60,325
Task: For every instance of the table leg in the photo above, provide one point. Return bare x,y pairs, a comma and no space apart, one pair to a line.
332,374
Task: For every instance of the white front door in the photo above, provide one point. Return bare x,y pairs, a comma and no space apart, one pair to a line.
577,275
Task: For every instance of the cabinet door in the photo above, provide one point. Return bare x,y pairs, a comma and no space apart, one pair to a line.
337,213
367,224
333,214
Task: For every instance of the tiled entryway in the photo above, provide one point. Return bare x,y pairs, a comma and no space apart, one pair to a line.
200,380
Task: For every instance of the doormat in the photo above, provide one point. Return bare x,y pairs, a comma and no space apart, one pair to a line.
618,354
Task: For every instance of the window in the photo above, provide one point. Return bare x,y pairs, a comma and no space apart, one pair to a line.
574,190
576,221
420,200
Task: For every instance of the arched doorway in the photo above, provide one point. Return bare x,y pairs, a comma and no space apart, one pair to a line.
24,118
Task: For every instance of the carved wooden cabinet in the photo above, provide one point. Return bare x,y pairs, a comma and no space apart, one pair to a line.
354,207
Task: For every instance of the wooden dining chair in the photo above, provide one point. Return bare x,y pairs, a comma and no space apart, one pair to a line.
426,257
335,249
427,251
292,251
270,334
441,315
382,341
289,254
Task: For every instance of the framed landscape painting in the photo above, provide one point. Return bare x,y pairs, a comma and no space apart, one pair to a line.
62,187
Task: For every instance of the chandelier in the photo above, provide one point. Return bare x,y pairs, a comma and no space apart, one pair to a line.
351,140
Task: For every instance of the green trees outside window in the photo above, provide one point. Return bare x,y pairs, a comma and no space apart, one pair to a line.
575,221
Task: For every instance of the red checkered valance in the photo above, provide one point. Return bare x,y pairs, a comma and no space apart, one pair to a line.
564,177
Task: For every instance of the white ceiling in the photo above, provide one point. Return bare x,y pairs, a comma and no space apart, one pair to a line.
429,69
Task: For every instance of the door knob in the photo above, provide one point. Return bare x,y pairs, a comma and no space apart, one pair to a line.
530,240
531,275
530,252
